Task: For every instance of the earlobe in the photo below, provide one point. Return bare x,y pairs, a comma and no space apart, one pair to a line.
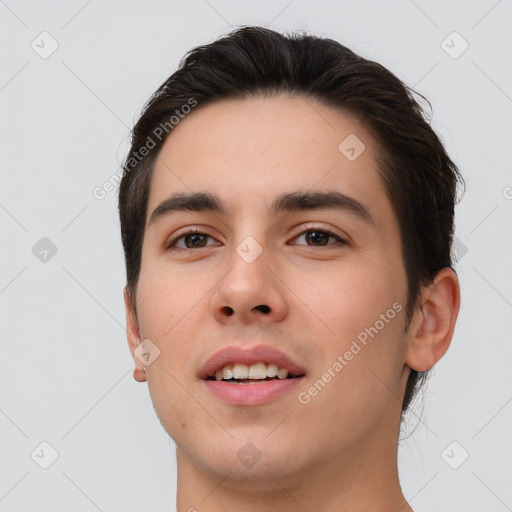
434,321
139,375
133,336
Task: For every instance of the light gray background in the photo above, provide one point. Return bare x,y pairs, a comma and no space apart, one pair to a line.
65,374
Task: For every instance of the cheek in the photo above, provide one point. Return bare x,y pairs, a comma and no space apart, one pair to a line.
363,309
166,299
170,307
351,297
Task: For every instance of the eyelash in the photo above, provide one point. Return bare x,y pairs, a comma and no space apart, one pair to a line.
195,231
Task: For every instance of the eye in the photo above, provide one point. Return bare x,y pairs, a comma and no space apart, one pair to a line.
194,239
319,237
191,240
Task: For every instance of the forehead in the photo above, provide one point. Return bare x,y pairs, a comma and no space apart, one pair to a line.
248,151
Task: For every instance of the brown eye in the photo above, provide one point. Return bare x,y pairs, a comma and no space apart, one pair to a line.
195,240
319,238
189,241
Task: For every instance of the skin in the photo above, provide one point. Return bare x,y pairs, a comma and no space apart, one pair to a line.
339,451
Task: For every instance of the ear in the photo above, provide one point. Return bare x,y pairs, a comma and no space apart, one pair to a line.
133,335
433,322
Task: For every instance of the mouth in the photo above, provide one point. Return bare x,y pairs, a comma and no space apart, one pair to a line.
250,376
239,373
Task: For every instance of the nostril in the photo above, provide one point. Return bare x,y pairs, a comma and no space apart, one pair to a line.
229,311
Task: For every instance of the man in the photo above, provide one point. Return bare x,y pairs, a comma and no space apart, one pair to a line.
287,216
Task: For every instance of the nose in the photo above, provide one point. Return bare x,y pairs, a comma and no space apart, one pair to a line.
248,293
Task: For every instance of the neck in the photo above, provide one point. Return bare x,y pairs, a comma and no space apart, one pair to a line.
360,478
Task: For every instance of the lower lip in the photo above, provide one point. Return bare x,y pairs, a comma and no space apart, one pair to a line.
251,394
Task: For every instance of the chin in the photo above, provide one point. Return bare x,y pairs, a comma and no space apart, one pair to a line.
253,462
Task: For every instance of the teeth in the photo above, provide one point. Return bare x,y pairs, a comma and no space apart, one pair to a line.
227,371
240,371
282,373
257,371
272,370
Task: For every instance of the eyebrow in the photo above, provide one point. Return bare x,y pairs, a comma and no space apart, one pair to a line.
286,202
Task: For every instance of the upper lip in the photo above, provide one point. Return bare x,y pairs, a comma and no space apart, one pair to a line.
261,353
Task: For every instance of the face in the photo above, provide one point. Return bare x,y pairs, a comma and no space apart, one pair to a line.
319,279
